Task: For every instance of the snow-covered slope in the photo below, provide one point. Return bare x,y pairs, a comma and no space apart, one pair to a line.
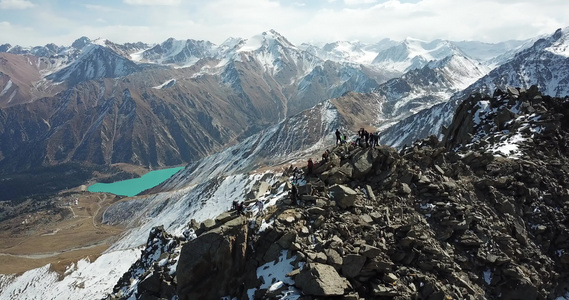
413,54
203,190
545,64
422,88
176,52
494,55
352,52
84,280
95,62
286,142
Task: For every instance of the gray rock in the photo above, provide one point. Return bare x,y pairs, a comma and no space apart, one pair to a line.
379,265
344,196
333,258
362,163
352,265
383,291
390,278
370,193
404,189
287,239
212,251
224,217
369,251
366,219
321,280
207,225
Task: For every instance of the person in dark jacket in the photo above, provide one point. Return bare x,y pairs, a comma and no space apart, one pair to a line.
325,156
338,137
376,139
294,194
310,166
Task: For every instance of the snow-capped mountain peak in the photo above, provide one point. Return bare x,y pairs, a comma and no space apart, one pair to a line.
348,51
266,40
414,54
544,64
560,45
181,53
101,42
81,42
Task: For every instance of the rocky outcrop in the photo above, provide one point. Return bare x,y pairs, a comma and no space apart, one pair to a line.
455,219
321,280
153,275
211,264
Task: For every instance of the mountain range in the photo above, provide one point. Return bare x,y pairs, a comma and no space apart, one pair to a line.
175,102
236,109
544,64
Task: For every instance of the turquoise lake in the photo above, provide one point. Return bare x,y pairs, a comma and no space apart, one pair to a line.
132,187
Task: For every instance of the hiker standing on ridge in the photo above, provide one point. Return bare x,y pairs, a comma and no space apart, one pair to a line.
376,139
260,206
372,139
338,137
241,208
310,166
366,137
294,194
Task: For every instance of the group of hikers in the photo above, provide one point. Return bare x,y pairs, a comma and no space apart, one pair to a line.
369,138
240,208
364,139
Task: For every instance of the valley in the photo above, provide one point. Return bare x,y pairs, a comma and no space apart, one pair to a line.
59,236
62,227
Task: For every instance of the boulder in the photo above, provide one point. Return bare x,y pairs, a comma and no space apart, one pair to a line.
321,280
404,189
344,196
362,164
334,176
369,251
264,187
287,239
334,258
207,225
223,217
209,265
352,265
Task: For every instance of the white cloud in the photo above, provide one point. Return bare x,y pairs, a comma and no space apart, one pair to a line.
358,2
99,8
153,2
15,4
13,34
318,21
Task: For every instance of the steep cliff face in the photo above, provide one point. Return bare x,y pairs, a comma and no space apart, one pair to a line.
481,214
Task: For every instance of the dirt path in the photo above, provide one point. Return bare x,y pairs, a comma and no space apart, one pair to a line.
98,209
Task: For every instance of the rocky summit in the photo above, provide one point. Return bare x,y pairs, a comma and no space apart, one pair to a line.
481,214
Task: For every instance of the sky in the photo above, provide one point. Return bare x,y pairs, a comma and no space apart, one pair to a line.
38,22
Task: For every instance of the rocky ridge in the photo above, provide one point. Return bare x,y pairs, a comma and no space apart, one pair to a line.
440,220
